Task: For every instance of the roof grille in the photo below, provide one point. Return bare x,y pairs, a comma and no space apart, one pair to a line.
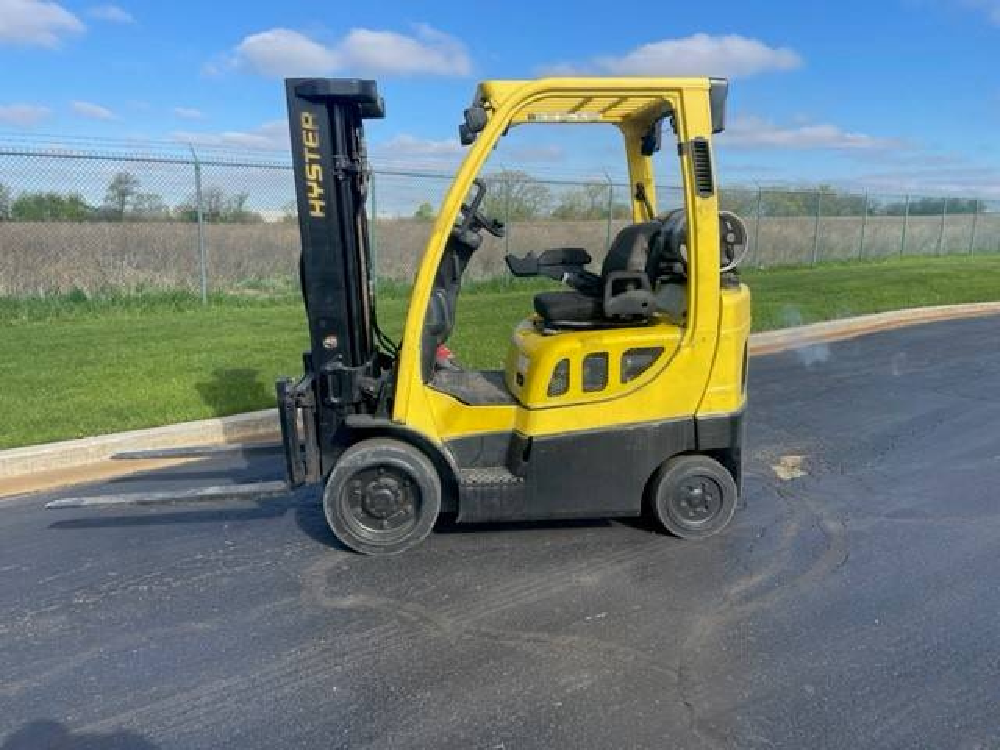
701,159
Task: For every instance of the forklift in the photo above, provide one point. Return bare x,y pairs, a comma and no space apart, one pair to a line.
623,393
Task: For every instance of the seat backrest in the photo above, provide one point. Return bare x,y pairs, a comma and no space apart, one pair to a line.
630,249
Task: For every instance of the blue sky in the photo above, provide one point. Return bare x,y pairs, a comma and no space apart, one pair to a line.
887,94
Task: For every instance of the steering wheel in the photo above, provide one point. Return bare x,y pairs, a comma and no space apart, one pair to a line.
733,243
671,241
472,221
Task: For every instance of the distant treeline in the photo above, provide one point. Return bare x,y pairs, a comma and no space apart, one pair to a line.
519,196
124,200
831,202
514,196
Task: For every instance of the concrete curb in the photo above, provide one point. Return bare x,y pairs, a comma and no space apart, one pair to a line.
69,454
44,466
771,342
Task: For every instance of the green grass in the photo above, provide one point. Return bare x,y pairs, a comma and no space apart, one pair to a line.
74,366
790,296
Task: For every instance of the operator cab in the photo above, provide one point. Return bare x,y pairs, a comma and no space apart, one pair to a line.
621,392
642,284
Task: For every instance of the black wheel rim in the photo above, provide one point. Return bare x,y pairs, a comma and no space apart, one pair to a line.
381,503
696,502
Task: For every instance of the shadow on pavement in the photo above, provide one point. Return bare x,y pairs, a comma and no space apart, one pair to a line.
236,390
51,735
309,517
204,477
307,508
169,515
447,524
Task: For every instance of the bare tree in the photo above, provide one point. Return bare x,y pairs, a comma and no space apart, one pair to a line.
516,195
590,201
149,206
121,193
219,207
4,202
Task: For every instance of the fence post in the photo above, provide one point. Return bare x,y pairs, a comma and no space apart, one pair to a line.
972,237
864,225
199,209
611,208
372,229
819,210
756,232
906,221
944,214
506,211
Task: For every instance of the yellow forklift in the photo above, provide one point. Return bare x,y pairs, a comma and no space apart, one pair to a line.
624,392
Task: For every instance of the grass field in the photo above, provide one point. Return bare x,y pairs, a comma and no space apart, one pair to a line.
74,366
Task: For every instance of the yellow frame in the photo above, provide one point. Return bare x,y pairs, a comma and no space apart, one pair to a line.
696,384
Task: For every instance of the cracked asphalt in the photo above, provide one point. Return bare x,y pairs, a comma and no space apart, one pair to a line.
854,602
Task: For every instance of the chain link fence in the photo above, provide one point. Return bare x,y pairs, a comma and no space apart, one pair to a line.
99,219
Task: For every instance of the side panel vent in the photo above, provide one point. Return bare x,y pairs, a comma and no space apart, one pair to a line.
701,160
595,372
559,382
637,360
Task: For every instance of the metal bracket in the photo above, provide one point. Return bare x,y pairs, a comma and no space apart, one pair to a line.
344,167
301,453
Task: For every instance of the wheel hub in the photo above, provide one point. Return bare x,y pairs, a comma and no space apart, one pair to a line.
700,498
381,499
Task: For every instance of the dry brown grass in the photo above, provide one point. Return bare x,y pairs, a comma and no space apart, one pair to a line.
790,240
42,258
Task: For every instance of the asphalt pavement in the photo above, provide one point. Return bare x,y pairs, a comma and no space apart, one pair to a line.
854,602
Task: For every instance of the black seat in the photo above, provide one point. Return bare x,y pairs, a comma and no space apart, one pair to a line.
568,309
628,253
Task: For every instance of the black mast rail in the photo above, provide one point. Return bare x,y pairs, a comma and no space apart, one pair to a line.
331,186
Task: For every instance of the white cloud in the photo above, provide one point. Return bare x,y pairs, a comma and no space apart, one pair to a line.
93,111
282,52
731,55
410,144
408,151
34,23
968,181
405,151
747,131
23,115
429,51
270,136
188,113
111,13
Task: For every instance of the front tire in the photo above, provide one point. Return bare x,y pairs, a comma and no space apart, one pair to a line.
693,496
382,497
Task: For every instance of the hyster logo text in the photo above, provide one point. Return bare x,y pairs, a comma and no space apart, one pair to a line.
314,170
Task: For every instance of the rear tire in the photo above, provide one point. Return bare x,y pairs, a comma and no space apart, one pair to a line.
382,497
693,496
